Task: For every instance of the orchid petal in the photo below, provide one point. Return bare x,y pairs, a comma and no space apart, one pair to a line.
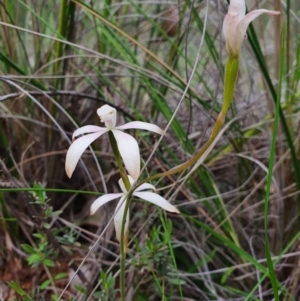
244,23
145,186
103,200
142,126
156,200
76,150
129,151
88,129
119,217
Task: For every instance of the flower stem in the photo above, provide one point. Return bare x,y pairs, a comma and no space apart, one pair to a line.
123,247
123,243
231,72
114,146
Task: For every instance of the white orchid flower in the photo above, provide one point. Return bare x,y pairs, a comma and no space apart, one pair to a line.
140,193
236,23
127,145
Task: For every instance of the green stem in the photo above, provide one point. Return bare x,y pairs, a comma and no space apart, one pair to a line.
126,182
231,72
114,146
62,29
123,247
270,264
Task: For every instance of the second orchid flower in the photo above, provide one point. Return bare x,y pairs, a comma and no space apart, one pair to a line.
236,23
141,192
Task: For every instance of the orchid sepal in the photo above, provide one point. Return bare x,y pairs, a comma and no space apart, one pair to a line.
76,150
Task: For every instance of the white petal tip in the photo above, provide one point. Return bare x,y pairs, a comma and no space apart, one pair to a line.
69,173
273,12
93,209
173,210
